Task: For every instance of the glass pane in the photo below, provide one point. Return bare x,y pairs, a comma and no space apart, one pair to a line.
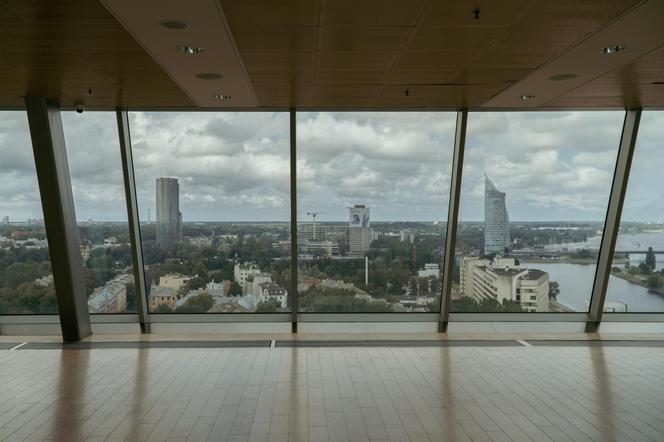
95,167
214,201
373,190
637,276
533,202
26,281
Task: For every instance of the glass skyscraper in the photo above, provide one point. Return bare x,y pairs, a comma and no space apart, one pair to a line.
169,218
496,220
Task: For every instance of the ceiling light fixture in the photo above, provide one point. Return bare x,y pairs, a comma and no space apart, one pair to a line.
222,97
174,24
612,49
525,97
190,50
563,77
209,76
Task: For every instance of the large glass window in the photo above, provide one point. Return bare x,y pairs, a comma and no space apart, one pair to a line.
214,200
98,187
373,190
637,274
534,195
26,280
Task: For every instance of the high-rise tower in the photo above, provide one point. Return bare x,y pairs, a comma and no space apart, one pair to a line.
496,220
359,229
169,218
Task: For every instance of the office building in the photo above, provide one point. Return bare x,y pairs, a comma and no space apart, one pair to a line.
496,220
359,234
407,235
431,269
169,217
502,279
112,297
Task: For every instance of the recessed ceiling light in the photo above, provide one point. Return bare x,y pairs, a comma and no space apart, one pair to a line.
563,77
174,24
222,97
612,49
190,50
209,76
525,97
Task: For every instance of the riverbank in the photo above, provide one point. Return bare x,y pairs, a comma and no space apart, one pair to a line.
635,279
556,307
565,260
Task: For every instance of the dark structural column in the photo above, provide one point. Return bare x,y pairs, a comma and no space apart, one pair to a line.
132,217
293,218
48,144
612,222
452,218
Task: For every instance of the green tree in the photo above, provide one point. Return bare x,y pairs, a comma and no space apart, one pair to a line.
654,281
162,308
197,304
268,306
131,297
651,261
235,289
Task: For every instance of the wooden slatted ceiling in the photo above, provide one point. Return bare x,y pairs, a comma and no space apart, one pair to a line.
638,84
349,53
325,53
63,48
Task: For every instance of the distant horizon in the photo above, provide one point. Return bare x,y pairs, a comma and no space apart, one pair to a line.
372,221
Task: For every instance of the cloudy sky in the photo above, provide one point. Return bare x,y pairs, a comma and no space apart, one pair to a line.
234,166
551,165
19,194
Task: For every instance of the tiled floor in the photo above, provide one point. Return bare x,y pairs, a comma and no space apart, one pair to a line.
279,394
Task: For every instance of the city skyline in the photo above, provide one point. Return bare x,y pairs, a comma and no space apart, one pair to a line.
554,167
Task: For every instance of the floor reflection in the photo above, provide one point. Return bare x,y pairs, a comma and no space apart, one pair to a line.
604,399
70,402
446,393
140,386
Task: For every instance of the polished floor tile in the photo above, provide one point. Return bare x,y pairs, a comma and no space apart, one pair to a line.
448,393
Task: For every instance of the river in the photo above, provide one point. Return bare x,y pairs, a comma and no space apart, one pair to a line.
576,285
576,280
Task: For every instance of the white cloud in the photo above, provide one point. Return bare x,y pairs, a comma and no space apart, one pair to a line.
552,165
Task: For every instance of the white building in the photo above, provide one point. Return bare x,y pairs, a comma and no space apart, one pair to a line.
270,291
502,279
407,235
430,269
243,271
255,287
112,297
329,248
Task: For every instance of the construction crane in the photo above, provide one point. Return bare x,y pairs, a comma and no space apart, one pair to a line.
313,215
